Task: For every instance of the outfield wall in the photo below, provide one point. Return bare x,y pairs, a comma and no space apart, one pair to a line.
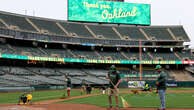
172,83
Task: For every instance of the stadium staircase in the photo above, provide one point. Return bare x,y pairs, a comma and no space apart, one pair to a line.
47,26
145,35
33,25
180,34
3,22
117,32
63,29
91,32
171,33
76,30
104,31
68,50
44,52
177,56
125,56
96,52
181,75
130,33
190,69
150,55
100,75
79,80
185,55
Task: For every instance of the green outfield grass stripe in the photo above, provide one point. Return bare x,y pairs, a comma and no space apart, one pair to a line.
187,89
12,98
143,100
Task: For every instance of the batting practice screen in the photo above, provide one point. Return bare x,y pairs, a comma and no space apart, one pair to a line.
108,12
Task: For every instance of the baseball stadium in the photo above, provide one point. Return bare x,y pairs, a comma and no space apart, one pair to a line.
105,48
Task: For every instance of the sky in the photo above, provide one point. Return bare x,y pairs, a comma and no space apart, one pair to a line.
163,12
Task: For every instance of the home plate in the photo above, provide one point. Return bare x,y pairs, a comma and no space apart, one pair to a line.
13,109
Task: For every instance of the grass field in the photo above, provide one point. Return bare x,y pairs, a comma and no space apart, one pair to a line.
12,98
173,100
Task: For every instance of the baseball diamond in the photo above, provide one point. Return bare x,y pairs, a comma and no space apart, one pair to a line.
107,55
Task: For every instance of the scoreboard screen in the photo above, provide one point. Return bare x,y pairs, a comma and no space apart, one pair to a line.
108,12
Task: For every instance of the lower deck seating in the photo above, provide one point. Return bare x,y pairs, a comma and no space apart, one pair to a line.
135,56
28,76
114,55
85,54
146,74
165,56
61,53
186,54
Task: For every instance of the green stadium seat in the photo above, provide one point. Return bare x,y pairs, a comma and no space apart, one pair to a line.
157,33
115,55
186,54
165,56
76,28
179,31
132,32
47,26
106,31
61,53
2,25
88,54
16,20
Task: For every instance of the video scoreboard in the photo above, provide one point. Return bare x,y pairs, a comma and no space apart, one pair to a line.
108,12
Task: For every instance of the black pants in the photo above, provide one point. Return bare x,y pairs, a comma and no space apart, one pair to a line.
24,99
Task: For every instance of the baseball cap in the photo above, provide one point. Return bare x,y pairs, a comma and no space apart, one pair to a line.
113,66
158,67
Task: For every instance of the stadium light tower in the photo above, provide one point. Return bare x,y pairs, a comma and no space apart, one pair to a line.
33,13
25,12
140,59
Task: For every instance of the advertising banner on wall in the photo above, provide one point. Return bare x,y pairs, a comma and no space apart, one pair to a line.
56,59
108,12
136,84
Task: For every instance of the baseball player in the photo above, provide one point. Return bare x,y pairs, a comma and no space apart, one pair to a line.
88,89
161,86
22,99
83,86
103,89
29,98
114,80
146,87
25,98
68,86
